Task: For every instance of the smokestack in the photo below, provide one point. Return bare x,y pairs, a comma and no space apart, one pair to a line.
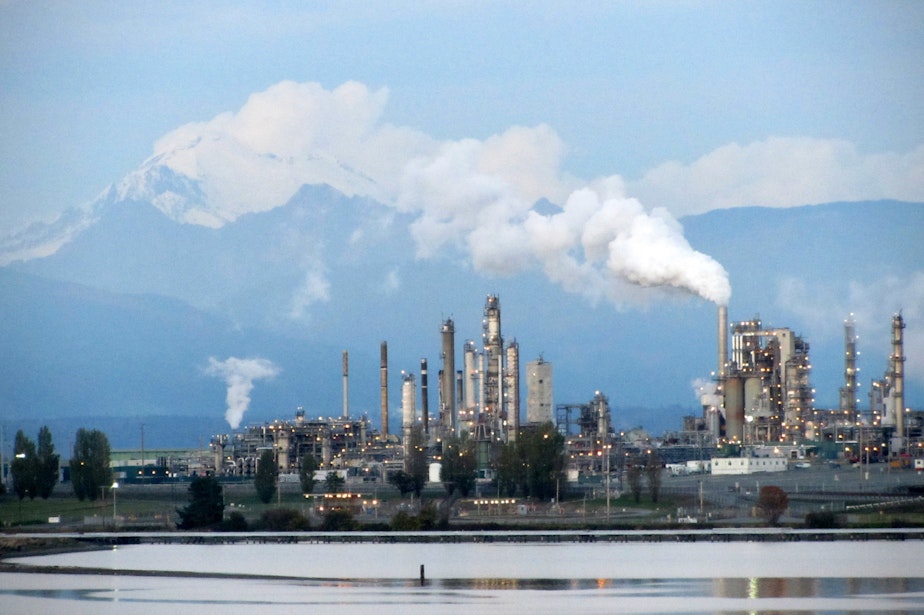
424,398
447,379
897,361
723,342
346,385
384,382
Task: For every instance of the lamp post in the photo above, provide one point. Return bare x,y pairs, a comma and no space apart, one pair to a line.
114,486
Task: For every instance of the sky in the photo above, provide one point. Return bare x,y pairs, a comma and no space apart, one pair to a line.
689,105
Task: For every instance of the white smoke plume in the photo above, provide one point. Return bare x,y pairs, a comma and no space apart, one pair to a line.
597,243
239,375
706,392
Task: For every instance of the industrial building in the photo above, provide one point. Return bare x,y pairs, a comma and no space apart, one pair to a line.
762,400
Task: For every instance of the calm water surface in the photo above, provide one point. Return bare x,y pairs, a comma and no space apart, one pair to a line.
743,577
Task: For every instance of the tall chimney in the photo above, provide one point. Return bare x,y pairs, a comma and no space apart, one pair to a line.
384,381
424,398
346,385
447,381
723,343
897,361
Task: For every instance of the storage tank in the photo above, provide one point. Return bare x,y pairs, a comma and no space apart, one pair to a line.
734,408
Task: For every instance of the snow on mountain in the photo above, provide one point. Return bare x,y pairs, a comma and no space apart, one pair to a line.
41,239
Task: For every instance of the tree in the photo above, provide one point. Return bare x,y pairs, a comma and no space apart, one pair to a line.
24,466
510,469
265,478
334,483
402,481
772,503
206,504
46,465
416,463
458,469
306,470
90,464
634,478
543,453
653,474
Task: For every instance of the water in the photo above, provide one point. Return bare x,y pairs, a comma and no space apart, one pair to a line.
736,577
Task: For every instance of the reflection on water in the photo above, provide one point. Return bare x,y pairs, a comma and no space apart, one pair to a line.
536,579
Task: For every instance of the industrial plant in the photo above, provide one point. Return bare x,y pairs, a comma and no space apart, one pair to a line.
760,406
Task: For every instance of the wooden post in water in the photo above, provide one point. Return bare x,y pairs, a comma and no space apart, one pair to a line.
423,580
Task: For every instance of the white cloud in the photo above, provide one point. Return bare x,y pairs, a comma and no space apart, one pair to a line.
782,172
872,303
287,136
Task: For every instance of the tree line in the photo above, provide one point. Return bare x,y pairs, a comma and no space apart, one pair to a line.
35,467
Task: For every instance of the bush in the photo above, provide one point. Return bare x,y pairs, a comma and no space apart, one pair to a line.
822,520
234,523
284,520
338,521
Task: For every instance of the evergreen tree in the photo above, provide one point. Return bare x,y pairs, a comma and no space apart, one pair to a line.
458,469
265,478
416,464
306,472
653,473
24,466
543,452
510,469
46,465
90,464
334,483
206,504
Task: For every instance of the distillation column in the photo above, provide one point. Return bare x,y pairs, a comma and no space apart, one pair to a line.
447,379
424,400
848,405
512,390
494,360
384,389
408,411
897,364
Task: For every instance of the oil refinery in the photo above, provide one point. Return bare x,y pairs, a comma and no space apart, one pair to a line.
760,405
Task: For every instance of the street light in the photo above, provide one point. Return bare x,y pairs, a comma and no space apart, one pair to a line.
114,486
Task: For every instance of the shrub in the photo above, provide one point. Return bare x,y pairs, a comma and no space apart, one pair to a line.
284,520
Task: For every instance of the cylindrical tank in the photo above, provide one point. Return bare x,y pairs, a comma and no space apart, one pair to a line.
753,387
734,408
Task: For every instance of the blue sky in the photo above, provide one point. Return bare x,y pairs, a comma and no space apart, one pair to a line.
658,93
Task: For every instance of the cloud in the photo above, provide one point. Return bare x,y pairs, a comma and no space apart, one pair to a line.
472,195
597,243
287,136
239,375
782,172
872,304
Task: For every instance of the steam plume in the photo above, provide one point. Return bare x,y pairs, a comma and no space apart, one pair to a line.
600,243
239,375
